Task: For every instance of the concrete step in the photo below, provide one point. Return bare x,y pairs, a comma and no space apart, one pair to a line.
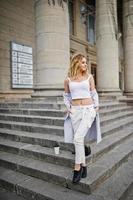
105,167
33,188
111,141
98,172
60,113
45,120
54,99
35,138
44,105
46,139
65,157
116,126
106,106
58,130
59,121
9,195
32,127
117,186
29,147
35,112
54,105
29,187
115,117
116,110
26,186
128,194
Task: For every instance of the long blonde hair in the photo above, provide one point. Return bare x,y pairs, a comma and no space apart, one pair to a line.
74,65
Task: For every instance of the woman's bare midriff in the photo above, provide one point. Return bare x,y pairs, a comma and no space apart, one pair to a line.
77,102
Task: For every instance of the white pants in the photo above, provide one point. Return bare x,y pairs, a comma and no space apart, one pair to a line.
82,118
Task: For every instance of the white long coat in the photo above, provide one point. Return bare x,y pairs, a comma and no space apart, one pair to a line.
94,133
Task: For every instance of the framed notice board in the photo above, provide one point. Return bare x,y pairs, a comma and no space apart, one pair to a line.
21,66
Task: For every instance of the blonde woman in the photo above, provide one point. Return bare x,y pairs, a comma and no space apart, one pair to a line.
81,100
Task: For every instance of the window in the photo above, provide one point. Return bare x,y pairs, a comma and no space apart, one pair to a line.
83,12
94,72
91,29
90,21
71,17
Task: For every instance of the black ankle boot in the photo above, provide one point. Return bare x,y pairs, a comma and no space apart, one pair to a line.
77,175
87,150
84,172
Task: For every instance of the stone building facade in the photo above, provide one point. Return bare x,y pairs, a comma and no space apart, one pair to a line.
55,29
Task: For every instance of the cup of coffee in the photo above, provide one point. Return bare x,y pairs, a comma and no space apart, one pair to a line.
57,150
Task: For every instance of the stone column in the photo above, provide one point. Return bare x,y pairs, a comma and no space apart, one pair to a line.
128,44
107,47
52,47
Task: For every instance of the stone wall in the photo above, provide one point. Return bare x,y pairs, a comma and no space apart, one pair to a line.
16,24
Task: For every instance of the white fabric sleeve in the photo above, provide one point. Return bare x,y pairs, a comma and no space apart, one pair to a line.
67,100
95,97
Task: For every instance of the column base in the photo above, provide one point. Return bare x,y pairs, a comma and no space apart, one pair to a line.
15,95
128,94
127,99
109,94
42,93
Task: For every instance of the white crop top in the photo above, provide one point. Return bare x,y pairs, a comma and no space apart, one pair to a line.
80,90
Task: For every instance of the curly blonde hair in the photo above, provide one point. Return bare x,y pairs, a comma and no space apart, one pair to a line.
74,65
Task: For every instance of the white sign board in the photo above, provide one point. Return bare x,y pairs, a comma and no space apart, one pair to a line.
22,66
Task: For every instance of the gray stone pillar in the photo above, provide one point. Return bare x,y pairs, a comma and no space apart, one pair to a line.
52,47
107,47
128,44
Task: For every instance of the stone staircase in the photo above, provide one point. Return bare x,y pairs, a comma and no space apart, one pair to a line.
28,166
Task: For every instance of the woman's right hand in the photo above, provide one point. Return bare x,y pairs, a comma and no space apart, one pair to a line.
68,111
